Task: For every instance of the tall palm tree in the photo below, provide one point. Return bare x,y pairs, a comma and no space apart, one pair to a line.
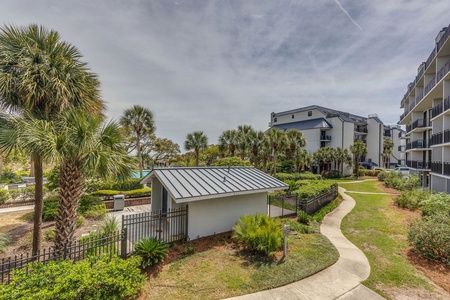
277,141
244,132
196,141
138,122
44,75
342,157
358,149
82,146
295,140
256,142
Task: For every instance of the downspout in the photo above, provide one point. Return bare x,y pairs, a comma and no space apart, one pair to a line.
342,146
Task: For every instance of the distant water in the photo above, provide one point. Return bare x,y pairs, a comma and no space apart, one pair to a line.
135,174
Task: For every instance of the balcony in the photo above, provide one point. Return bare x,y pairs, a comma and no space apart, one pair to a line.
402,135
430,58
436,167
429,86
437,138
419,123
401,148
419,144
447,168
443,39
417,164
444,70
361,129
325,138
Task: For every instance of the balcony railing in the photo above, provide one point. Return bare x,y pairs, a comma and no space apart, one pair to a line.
418,164
443,39
402,148
436,167
444,70
361,129
447,136
437,138
419,97
324,137
437,109
429,86
402,135
419,144
430,58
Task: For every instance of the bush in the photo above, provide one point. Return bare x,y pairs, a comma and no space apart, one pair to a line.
53,178
9,176
188,250
431,237
14,194
4,195
125,185
309,189
412,199
96,212
151,250
49,235
80,221
331,174
109,226
105,193
50,209
298,176
105,278
138,193
371,173
318,217
303,217
232,161
259,233
382,175
436,203
91,207
28,192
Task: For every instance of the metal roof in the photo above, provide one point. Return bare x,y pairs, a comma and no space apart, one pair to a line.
192,184
303,125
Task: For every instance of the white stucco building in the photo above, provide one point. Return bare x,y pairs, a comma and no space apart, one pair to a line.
217,196
324,127
426,114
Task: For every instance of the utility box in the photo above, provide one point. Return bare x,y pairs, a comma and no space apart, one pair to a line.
119,202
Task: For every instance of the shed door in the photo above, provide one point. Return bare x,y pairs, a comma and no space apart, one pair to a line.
164,200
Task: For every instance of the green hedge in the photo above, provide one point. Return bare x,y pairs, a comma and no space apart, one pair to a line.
372,173
298,176
308,189
105,278
90,207
132,194
126,185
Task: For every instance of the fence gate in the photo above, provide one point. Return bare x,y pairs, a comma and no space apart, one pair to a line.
170,226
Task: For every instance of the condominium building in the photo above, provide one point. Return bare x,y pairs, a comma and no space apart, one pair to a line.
324,127
426,115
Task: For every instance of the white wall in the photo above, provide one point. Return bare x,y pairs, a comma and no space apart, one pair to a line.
210,216
156,203
312,137
375,133
298,116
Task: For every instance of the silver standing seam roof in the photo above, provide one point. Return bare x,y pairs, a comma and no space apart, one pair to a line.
192,184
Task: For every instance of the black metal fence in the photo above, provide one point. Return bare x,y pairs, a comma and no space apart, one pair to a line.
290,204
170,226
93,246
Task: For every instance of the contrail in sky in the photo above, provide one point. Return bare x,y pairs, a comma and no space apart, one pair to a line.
348,15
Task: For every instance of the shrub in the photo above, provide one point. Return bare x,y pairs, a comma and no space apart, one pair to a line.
138,193
188,250
372,173
436,203
4,195
109,226
318,216
303,217
96,212
311,188
9,176
259,233
331,174
382,175
151,250
50,209
14,194
91,207
28,192
431,237
53,178
105,278
298,176
105,193
80,221
232,161
4,241
125,185
412,199
49,235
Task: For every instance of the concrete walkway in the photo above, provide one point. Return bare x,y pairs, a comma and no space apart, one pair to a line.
339,281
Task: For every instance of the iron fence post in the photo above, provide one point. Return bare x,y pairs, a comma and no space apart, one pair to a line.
187,219
123,243
160,224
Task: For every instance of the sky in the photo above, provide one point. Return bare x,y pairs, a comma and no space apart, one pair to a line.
214,65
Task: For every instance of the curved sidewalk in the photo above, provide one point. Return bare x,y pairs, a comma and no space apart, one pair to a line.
339,281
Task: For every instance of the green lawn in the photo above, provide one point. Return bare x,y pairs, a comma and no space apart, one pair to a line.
363,186
222,273
380,232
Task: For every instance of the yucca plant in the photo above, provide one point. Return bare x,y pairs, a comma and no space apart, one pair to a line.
4,241
151,250
109,226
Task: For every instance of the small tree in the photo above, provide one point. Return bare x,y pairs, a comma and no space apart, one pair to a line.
388,145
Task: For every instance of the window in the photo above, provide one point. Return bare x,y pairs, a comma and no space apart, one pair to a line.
274,120
292,116
309,113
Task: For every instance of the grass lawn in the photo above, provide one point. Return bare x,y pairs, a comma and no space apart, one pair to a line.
380,232
364,186
225,272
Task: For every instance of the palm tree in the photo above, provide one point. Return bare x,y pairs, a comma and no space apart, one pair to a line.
228,140
358,149
243,142
388,144
295,140
138,122
45,76
256,142
342,157
277,141
196,141
302,158
324,156
82,146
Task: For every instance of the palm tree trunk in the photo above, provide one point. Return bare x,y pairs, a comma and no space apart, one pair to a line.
275,163
255,158
71,188
31,167
196,156
138,146
1,164
39,199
